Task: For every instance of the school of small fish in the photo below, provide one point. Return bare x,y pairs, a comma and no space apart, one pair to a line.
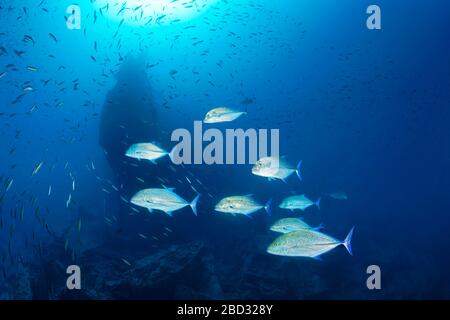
297,237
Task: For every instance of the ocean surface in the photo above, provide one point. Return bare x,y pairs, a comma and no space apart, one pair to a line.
366,111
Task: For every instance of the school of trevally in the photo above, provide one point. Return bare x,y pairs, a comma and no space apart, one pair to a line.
221,149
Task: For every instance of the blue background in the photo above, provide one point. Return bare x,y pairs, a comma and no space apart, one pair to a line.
366,111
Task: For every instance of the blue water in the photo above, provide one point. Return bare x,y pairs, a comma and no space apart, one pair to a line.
366,111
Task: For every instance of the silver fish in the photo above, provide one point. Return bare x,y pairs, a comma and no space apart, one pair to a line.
275,168
298,202
222,114
244,205
291,225
307,243
147,151
162,199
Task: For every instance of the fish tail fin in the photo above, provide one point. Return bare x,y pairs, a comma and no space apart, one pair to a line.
348,241
321,226
298,170
193,204
317,203
268,208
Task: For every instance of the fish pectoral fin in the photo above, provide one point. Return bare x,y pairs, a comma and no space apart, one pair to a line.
170,213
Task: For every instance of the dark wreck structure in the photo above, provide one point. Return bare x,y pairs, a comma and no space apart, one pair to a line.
128,116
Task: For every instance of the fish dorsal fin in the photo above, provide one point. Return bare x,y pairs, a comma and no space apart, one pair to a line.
168,188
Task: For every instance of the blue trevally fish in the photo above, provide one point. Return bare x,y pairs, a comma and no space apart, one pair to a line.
298,202
307,243
222,114
147,151
163,199
244,205
286,225
275,168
